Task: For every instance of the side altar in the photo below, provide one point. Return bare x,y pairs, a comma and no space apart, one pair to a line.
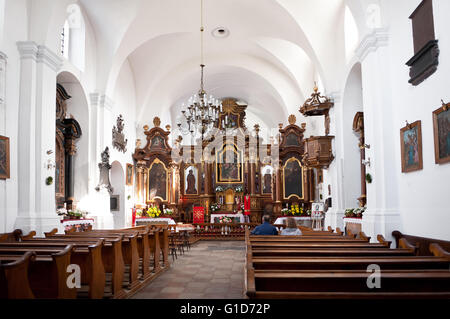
224,168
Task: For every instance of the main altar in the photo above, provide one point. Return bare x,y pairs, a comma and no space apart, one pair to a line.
221,169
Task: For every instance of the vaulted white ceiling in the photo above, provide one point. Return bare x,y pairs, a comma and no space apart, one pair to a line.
275,51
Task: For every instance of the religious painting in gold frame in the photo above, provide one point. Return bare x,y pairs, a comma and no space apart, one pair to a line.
129,175
411,147
441,126
4,158
293,179
229,165
157,181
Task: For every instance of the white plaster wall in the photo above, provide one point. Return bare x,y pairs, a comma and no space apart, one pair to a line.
423,194
352,103
125,104
78,107
12,30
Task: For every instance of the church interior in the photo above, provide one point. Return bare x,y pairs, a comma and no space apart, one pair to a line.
135,134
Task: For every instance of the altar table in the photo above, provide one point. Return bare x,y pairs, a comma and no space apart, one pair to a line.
301,220
79,224
240,216
145,221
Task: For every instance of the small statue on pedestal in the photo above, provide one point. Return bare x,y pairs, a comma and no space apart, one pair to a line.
104,167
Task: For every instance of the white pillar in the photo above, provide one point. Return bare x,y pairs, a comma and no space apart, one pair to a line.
334,174
3,199
100,210
37,109
382,215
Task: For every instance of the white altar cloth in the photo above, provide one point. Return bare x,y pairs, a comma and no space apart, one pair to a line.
169,221
241,217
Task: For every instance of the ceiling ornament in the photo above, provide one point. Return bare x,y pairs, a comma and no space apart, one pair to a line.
201,113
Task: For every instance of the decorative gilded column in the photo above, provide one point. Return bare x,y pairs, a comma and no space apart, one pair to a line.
141,168
358,127
71,150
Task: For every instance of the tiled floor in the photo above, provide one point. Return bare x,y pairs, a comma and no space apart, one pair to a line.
210,270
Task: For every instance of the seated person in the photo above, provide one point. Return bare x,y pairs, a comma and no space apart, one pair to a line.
265,228
291,228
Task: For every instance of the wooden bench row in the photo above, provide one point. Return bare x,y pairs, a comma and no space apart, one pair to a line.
112,262
323,266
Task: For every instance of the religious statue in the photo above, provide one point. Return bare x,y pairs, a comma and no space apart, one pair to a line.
118,138
191,189
104,167
267,183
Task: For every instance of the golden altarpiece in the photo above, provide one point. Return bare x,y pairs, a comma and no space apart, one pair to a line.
223,168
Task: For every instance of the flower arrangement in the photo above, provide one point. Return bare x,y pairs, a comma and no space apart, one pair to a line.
219,189
215,207
285,211
354,212
296,210
139,213
153,212
71,214
225,220
239,189
61,211
168,211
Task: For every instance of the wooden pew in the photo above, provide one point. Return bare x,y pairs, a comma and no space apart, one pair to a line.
348,263
48,271
130,251
111,257
87,256
421,243
14,282
163,234
142,248
322,269
394,281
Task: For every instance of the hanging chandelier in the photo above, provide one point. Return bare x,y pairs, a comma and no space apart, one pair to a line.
201,113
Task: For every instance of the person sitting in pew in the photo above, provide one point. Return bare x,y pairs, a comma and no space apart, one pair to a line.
265,228
291,228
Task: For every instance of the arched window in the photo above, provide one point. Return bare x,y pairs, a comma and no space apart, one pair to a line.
73,37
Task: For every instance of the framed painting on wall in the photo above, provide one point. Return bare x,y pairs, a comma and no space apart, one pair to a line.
4,158
411,147
293,179
441,125
129,180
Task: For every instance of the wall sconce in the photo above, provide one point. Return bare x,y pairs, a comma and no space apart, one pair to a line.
367,163
364,146
50,164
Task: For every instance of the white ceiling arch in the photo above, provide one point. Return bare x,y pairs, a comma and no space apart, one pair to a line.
287,43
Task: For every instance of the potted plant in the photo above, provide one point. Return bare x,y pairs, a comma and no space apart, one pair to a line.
239,189
285,211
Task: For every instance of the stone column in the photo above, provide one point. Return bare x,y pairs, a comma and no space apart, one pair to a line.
334,175
382,214
140,169
3,188
39,67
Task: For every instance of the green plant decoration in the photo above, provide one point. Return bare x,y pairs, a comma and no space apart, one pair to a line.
368,178
49,180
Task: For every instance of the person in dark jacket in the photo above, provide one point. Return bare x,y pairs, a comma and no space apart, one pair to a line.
265,228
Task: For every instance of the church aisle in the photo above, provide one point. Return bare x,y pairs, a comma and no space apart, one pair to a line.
210,270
